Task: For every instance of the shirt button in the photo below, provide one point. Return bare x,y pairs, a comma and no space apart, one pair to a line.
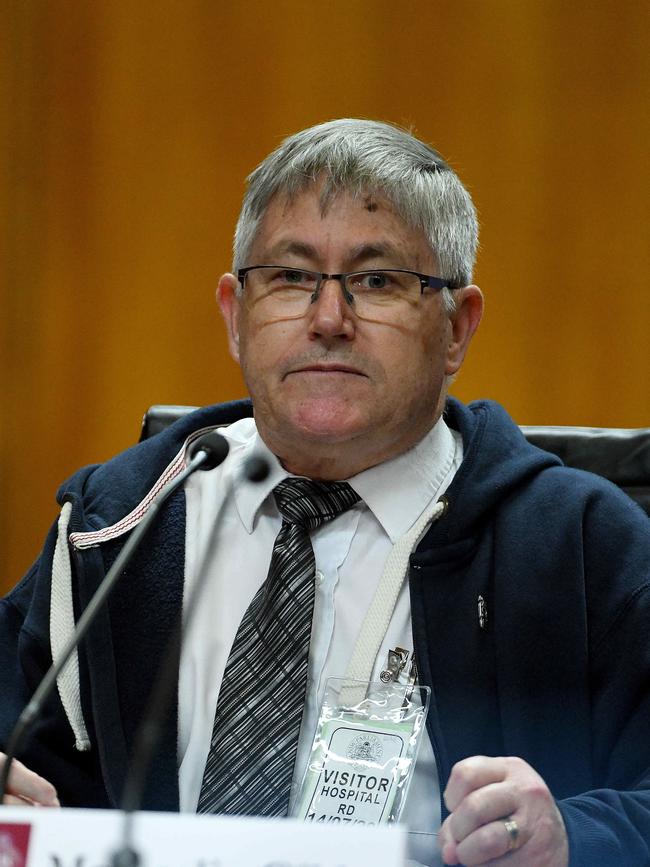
320,577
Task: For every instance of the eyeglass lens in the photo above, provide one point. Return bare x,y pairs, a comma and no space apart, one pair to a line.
293,290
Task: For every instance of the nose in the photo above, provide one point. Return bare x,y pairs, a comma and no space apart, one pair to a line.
330,314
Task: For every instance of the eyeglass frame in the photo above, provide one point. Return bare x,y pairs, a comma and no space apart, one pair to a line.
427,281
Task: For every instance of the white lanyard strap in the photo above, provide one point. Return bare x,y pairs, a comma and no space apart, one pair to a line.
62,626
383,604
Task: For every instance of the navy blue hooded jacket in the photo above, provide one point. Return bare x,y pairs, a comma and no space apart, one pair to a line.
559,675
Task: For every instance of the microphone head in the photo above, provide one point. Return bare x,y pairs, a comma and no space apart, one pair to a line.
215,447
256,468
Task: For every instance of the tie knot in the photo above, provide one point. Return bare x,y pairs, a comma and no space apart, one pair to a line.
309,504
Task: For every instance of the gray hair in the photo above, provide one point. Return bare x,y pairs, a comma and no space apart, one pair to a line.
367,156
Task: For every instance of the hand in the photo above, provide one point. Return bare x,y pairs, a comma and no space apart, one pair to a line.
483,793
27,789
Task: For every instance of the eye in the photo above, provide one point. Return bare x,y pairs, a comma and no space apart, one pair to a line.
287,285
285,279
372,281
376,280
295,278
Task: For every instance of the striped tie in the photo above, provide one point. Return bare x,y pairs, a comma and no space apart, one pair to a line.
255,735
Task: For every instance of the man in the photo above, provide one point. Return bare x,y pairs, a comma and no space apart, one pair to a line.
350,308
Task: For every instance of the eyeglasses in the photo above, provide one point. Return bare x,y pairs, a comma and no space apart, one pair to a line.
290,291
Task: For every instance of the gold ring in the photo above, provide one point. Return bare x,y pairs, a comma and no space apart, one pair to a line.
513,833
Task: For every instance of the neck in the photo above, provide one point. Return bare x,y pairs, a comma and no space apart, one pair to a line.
330,462
324,469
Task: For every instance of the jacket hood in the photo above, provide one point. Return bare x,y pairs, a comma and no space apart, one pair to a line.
496,457
111,490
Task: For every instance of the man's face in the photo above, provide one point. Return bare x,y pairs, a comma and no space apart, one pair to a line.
335,393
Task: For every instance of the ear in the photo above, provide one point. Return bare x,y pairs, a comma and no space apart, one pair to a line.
230,306
463,324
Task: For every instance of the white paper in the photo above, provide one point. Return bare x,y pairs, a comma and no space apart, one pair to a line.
87,838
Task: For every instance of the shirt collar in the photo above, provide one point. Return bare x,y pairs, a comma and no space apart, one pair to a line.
396,491
399,490
250,497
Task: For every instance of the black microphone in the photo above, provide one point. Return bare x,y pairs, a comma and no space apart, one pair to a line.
215,448
206,453
255,469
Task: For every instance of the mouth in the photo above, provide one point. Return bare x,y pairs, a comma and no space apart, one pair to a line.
323,368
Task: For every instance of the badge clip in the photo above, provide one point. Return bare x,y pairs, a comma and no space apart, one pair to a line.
397,660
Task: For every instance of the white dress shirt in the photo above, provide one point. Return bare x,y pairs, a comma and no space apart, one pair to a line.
350,553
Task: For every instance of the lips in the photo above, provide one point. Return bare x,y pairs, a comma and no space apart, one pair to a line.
327,368
332,368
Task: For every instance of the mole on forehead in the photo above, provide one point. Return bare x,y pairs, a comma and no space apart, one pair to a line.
372,202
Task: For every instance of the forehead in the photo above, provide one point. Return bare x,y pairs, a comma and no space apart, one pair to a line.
339,223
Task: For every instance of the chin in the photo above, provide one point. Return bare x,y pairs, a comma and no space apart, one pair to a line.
331,423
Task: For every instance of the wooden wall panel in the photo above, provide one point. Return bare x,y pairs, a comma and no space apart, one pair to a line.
127,133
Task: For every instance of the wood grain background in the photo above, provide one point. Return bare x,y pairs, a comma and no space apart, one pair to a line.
128,128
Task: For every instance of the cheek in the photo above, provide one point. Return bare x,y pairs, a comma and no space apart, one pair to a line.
262,350
418,371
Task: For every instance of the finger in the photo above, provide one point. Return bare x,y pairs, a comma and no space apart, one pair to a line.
480,807
470,774
449,853
446,843
489,844
29,786
16,801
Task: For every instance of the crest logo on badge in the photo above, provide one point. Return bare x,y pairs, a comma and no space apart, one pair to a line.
365,748
14,843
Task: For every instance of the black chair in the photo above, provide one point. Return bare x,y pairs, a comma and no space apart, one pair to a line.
160,416
621,455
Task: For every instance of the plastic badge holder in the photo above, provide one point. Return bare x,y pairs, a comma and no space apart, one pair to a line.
364,752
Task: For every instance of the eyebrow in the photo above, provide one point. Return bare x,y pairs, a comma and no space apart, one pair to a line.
294,248
380,250
356,256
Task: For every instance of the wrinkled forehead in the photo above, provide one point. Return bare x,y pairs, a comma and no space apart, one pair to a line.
359,223
330,191
329,194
